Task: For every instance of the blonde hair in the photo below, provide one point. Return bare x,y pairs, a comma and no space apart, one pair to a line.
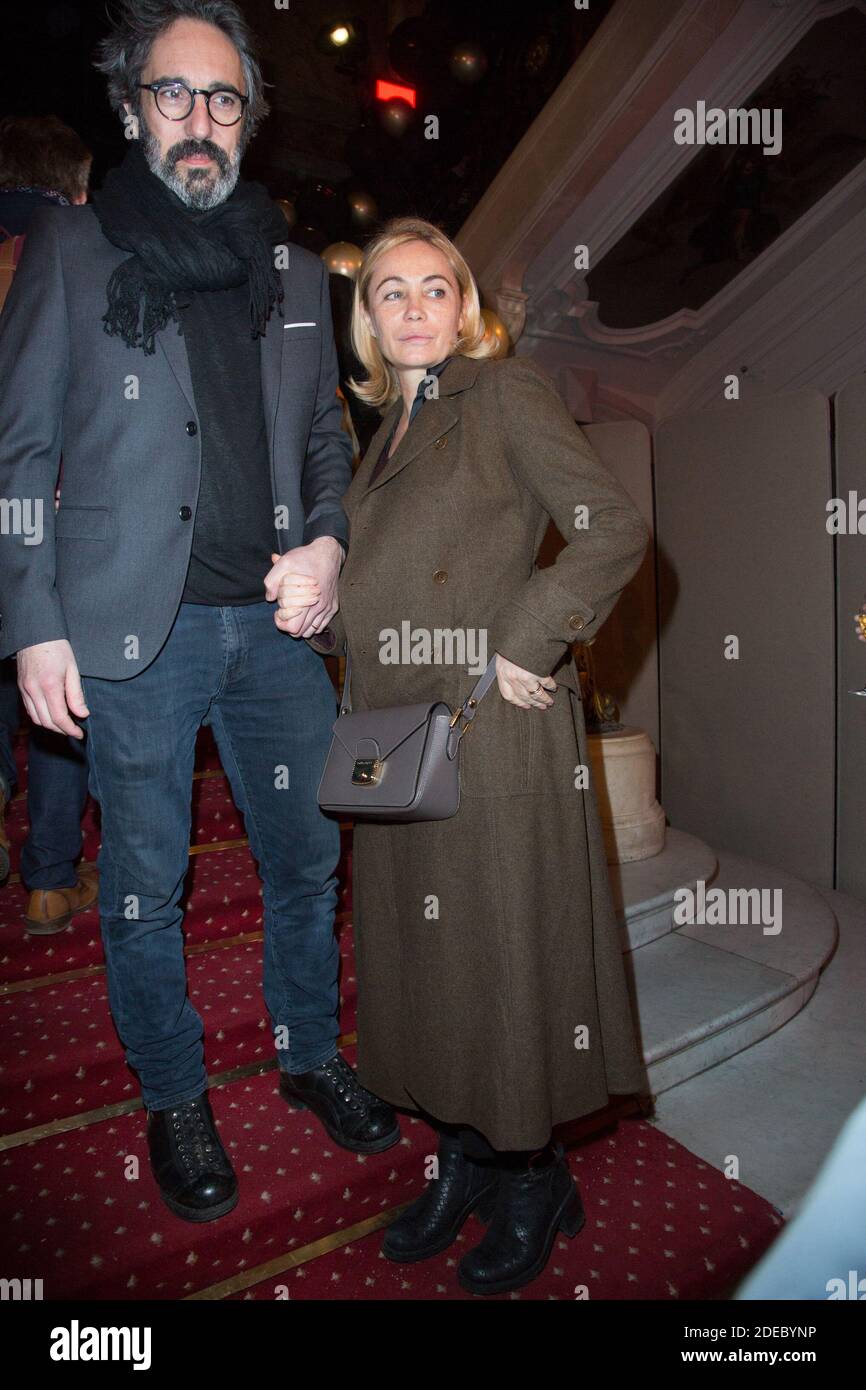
382,386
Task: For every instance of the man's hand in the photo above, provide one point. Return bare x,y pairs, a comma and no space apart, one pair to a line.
305,609
51,686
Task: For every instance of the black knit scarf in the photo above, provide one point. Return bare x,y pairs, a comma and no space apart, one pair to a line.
177,249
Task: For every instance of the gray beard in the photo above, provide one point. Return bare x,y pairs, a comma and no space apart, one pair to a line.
198,188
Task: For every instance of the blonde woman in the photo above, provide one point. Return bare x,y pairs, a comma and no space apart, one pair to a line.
491,992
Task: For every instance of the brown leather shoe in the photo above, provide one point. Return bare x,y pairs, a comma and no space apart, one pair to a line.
50,910
4,839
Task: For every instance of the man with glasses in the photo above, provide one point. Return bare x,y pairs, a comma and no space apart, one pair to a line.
187,372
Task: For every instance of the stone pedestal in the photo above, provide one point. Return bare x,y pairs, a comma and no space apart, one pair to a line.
624,776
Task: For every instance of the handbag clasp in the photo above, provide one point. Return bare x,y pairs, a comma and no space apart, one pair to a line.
367,772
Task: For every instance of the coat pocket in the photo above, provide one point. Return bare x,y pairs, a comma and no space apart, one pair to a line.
82,523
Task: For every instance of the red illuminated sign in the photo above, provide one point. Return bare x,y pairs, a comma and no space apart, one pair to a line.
387,91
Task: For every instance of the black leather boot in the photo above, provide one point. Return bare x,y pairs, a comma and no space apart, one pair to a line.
532,1204
355,1119
433,1221
191,1167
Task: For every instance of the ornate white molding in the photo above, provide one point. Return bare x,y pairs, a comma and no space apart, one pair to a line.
511,308
539,176
743,56
687,328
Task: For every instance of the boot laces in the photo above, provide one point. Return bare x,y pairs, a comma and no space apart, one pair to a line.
194,1137
348,1086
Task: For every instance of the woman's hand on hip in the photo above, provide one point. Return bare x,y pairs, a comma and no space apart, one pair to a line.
521,687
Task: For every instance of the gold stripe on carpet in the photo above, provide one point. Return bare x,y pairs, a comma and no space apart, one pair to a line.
126,1107
193,849
218,845
301,1256
202,948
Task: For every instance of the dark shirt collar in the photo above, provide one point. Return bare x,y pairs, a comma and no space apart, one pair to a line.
432,371
420,394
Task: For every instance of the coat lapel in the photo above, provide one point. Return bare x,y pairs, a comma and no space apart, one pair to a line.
434,419
361,479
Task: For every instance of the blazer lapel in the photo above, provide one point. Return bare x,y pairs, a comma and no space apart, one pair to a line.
271,352
271,346
173,345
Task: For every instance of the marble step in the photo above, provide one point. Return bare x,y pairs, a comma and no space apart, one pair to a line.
705,992
643,892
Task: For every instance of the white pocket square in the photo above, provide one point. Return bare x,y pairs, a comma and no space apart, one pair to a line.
310,324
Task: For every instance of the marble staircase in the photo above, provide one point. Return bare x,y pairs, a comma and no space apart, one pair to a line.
706,991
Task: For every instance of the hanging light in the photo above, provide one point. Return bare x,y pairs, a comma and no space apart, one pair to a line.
341,36
342,258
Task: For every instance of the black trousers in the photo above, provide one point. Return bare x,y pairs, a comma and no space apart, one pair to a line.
477,1149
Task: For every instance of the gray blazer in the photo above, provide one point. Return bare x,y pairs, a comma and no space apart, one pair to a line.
111,565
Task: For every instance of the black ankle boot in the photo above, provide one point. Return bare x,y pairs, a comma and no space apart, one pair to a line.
433,1221
354,1118
191,1167
532,1204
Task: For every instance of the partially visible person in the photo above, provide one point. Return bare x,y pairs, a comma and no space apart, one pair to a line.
822,1253
42,163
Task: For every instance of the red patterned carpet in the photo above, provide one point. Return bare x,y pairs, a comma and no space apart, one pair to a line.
81,1212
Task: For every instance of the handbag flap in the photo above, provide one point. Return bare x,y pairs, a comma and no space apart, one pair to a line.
377,732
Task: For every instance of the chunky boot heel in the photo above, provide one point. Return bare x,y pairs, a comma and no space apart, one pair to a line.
532,1205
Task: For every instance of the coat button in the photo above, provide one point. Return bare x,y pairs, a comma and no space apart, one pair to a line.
442,443
191,427
185,513
440,576
576,621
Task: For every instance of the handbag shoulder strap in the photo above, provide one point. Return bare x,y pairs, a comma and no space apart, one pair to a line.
468,709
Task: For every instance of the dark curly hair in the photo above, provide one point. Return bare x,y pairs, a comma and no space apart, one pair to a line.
123,54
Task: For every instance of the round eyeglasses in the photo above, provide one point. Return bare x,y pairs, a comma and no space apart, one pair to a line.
175,100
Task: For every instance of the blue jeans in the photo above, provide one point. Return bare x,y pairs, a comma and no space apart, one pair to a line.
56,791
271,705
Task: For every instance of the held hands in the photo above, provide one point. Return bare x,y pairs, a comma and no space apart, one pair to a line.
521,687
304,583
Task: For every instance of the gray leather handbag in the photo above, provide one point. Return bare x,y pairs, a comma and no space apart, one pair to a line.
397,764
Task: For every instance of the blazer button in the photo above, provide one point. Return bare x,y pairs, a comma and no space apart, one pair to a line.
185,513
191,427
576,621
442,443
440,576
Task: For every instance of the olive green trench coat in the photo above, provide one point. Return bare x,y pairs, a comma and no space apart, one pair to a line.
491,985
